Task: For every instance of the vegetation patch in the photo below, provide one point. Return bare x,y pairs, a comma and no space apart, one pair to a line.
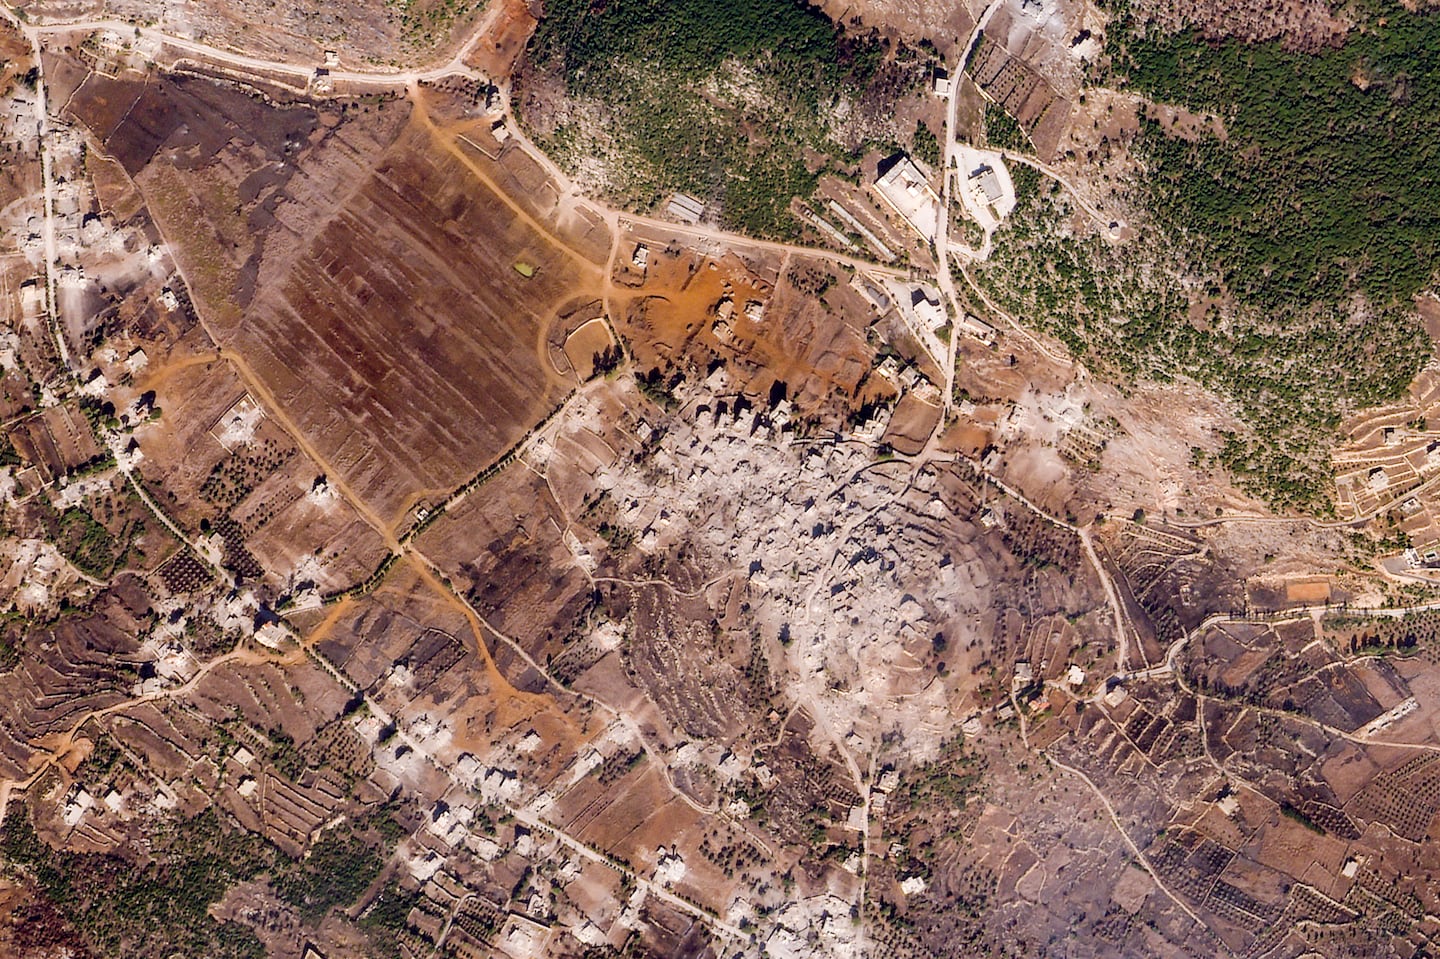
1003,132
340,866
427,23
1281,262
159,909
85,542
730,102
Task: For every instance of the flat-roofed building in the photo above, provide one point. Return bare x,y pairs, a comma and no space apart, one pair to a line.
986,184
685,208
909,194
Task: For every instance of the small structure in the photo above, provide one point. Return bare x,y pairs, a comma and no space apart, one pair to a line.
944,86
986,184
95,386
272,635
79,803
872,292
641,256
524,936
499,130
1378,481
685,208
669,867
424,864
484,847
978,328
926,305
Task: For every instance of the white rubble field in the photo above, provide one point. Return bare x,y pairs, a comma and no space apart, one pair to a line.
836,551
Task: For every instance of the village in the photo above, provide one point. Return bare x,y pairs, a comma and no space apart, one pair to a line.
454,565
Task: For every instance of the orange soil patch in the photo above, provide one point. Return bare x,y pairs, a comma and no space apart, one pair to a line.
681,295
1308,590
364,637
810,335
497,51
15,56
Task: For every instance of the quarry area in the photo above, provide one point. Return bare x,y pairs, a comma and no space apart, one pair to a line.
408,549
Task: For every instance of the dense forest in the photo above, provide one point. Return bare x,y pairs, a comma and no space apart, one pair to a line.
1328,179
155,910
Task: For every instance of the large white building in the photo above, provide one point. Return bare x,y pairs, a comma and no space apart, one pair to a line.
909,194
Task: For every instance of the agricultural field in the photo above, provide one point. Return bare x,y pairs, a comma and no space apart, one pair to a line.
398,388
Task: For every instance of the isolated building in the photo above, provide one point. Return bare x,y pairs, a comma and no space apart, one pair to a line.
685,208
978,328
927,307
986,183
909,194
